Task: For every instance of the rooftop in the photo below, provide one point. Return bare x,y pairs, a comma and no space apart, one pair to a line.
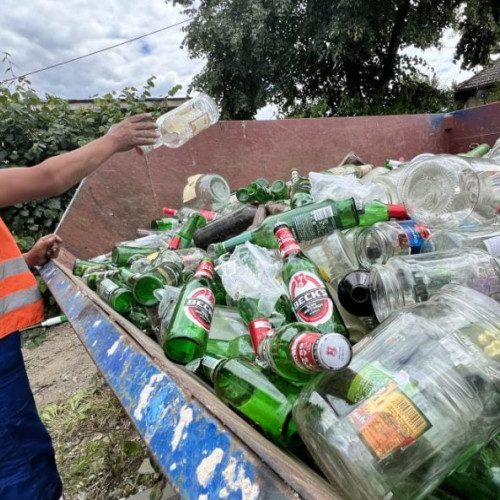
489,76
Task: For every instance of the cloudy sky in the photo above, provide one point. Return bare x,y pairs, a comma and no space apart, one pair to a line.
38,34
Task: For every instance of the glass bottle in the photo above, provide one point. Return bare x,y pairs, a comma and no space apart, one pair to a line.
81,266
307,223
410,279
417,396
184,122
374,173
310,298
187,333
357,170
183,213
139,317
164,224
258,193
279,190
243,196
300,190
484,237
184,236
262,397
478,151
447,191
376,244
494,153
389,183
206,191
115,295
123,255
297,351
93,276
225,227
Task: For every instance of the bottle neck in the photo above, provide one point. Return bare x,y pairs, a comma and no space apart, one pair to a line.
260,329
230,244
205,270
286,242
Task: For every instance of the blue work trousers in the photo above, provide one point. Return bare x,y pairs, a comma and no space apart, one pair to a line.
27,463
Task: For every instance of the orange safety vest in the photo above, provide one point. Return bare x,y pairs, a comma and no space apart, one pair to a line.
21,304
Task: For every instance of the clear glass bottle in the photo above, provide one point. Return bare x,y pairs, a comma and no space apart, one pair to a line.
407,280
206,192
494,153
184,122
415,399
486,238
376,244
450,190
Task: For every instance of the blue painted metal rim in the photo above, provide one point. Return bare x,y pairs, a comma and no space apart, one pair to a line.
201,458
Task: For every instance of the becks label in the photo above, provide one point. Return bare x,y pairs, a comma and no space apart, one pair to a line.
310,299
199,307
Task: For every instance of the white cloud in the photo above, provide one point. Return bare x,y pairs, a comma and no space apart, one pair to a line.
38,34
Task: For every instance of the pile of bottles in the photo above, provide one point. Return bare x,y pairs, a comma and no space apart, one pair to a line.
351,315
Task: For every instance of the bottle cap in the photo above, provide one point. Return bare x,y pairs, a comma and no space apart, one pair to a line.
397,212
333,351
354,293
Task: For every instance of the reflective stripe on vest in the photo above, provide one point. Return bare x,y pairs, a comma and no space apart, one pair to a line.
21,304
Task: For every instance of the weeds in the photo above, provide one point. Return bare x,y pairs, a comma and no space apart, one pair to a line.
98,451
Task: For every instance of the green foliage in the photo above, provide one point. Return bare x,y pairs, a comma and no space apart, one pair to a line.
331,58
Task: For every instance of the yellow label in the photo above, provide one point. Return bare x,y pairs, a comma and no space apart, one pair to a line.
388,421
200,123
189,192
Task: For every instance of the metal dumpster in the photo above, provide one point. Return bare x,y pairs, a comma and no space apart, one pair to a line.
204,448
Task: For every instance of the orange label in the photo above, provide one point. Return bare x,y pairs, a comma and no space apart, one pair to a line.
388,421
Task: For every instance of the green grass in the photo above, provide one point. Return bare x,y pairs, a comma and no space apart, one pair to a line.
98,451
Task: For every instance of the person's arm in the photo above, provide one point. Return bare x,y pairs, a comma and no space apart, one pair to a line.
46,248
56,175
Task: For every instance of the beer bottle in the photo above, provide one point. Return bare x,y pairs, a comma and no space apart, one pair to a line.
185,236
259,193
300,190
139,317
311,300
81,266
376,211
115,295
123,255
279,190
306,223
183,213
242,195
165,224
259,395
94,276
187,333
298,351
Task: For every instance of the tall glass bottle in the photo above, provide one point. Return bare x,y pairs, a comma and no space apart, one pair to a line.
122,255
310,298
115,295
183,213
184,237
262,397
187,333
207,192
279,190
300,190
307,223
297,351
164,224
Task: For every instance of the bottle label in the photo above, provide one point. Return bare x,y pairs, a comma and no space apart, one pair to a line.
388,421
333,352
302,350
286,241
107,288
175,243
189,192
315,224
310,299
369,379
493,246
171,275
199,124
205,269
413,235
259,329
199,307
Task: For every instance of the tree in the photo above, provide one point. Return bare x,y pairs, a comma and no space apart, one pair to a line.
343,57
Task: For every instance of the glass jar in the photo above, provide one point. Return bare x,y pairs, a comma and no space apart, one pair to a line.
206,191
416,399
378,243
450,190
407,280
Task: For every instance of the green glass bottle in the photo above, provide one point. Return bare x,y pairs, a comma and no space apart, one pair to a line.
262,181
310,298
115,295
297,351
140,318
187,333
279,190
184,237
258,193
123,255
300,190
92,277
376,211
81,266
262,397
477,152
165,224
243,196
307,223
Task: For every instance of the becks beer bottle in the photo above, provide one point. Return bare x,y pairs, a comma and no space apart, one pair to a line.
299,351
310,298
187,333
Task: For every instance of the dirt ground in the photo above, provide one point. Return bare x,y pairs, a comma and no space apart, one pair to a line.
59,367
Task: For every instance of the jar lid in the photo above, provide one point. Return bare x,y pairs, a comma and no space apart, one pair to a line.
354,293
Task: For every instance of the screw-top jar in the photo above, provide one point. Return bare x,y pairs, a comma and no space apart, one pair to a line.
419,395
410,279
